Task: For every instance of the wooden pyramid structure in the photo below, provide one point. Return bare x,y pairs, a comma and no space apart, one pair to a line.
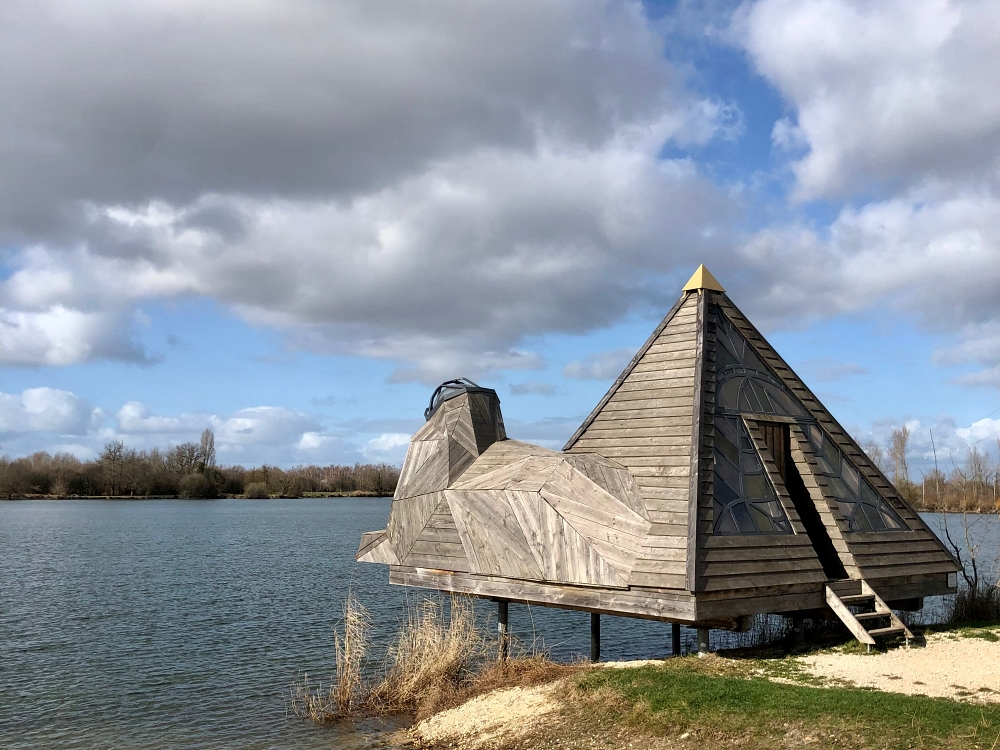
707,485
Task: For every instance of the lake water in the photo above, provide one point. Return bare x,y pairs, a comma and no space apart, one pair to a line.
181,623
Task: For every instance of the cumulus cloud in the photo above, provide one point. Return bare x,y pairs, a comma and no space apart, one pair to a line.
895,112
429,185
887,94
933,258
600,366
389,447
46,410
42,419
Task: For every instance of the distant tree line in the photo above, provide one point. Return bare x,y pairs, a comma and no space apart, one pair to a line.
186,470
971,486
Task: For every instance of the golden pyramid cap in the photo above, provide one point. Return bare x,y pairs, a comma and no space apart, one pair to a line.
703,279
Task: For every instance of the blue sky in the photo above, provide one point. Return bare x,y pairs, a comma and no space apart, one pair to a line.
287,221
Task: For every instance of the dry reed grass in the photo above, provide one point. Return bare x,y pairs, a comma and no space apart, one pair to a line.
441,657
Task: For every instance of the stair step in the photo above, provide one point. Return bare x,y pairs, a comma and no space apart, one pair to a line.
886,631
870,615
858,599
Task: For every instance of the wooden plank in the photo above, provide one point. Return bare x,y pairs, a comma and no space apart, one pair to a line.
640,428
729,555
650,603
900,558
670,411
767,568
493,539
652,557
743,581
652,542
667,441
662,380
407,518
665,505
652,362
650,466
846,617
670,455
740,604
668,529
563,555
757,540
659,580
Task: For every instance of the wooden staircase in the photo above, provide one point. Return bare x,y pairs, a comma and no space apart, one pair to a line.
860,608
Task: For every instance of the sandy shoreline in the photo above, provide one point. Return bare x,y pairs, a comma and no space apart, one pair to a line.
949,666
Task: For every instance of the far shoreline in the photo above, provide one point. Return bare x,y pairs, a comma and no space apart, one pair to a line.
304,496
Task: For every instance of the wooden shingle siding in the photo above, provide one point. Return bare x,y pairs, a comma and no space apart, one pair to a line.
645,423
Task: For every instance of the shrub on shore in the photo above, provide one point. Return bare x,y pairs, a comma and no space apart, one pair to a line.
256,491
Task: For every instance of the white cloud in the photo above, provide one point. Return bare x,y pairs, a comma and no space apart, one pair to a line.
600,366
980,431
889,93
134,418
390,447
61,336
40,419
933,258
427,187
46,410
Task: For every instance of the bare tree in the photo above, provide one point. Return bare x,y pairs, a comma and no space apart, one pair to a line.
876,454
897,454
112,463
206,450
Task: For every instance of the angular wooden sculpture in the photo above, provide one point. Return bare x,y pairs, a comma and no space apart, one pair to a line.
708,484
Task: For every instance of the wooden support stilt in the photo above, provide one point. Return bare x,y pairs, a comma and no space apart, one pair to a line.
504,647
675,639
702,641
799,631
595,637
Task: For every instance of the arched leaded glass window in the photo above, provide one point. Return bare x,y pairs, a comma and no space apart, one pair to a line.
860,505
745,500
743,382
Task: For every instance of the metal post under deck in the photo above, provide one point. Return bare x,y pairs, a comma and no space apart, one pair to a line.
675,639
702,641
595,637
504,647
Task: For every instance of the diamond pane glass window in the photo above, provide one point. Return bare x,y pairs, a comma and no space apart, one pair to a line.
862,507
745,501
743,382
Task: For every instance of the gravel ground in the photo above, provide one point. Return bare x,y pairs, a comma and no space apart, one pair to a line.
495,718
949,666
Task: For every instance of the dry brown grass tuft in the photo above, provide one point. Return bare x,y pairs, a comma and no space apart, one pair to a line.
348,693
431,653
441,658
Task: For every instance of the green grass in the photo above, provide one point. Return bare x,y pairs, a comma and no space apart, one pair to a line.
739,702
